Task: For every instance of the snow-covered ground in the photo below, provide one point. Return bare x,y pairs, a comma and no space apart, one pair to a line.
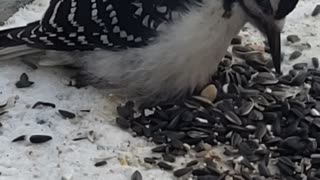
63,158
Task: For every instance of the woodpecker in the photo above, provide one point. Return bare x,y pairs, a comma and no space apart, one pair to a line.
151,51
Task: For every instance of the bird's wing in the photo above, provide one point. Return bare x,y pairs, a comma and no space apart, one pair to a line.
90,24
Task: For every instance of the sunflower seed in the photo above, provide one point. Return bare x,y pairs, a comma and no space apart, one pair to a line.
263,170
295,55
168,158
41,103
182,172
149,160
210,92
236,139
315,62
245,108
24,81
100,163
293,38
192,163
136,176
38,139
123,123
316,11
165,166
233,118
67,114
20,138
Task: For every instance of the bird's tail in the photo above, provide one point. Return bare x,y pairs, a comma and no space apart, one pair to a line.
10,48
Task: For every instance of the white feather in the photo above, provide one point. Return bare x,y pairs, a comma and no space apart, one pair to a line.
184,57
16,51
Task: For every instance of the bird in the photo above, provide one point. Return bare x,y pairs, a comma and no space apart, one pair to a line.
151,51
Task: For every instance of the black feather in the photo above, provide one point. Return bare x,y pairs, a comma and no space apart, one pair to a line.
62,34
265,6
285,7
5,41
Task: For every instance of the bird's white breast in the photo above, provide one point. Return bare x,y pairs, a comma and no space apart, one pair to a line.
184,56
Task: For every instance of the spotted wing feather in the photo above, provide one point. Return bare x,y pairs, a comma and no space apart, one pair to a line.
90,24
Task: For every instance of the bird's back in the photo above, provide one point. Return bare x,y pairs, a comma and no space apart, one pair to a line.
90,24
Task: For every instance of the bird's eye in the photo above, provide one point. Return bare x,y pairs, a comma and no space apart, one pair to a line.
285,7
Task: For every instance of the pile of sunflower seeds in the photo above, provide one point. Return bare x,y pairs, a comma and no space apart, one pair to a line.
247,124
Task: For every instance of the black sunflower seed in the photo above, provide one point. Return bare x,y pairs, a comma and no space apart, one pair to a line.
247,164
182,172
236,139
123,123
100,163
208,177
3,105
285,160
136,176
285,170
245,108
20,138
125,112
67,114
233,118
149,160
37,139
24,81
245,149
256,115
260,131
165,166
316,10
169,158
160,149
263,170
41,103
315,62
192,163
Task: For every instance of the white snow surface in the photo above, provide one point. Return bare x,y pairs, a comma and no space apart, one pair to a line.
63,158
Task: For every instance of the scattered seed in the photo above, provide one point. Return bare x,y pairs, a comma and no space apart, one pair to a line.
295,55
20,138
315,62
24,81
182,172
316,11
136,176
101,163
67,114
159,149
41,103
38,139
165,166
192,163
150,160
233,118
293,38
168,158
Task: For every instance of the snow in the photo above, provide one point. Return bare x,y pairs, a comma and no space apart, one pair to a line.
63,158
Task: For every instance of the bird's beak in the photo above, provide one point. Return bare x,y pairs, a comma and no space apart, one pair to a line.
274,39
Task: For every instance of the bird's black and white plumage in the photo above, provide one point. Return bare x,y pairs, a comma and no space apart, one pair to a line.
89,24
151,50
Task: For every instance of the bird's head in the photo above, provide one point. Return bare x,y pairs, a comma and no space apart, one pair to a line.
269,17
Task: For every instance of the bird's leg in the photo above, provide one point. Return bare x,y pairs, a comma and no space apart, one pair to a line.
227,5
